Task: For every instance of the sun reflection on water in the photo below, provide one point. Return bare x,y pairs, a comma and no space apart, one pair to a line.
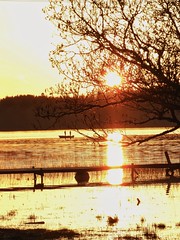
87,209
114,158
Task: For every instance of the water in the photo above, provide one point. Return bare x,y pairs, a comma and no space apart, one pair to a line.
87,209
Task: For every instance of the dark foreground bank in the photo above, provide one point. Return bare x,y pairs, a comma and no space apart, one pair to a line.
36,234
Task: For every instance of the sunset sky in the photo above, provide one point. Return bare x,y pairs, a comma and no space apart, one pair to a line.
25,41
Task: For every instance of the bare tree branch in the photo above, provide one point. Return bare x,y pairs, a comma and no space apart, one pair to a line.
140,40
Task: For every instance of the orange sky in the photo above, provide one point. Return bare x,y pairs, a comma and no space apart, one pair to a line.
25,41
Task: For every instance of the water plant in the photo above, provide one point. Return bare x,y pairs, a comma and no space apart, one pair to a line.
112,220
128,237
160,226
9,215
99,217
32,217
12,213
150,234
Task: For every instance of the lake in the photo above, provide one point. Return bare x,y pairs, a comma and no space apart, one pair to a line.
113,211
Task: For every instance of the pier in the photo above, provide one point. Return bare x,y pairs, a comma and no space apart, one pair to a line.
82,173
40,171
169,173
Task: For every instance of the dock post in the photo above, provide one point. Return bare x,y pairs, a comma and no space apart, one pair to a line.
42,175
38,185
169,171
134,173
35,178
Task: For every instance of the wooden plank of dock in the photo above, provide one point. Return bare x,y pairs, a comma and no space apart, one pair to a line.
83,171
88,168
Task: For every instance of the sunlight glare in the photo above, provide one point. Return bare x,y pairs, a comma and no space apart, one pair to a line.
115,176
113,79
114,158
115,137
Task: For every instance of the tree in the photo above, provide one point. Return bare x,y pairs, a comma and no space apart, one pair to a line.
138,39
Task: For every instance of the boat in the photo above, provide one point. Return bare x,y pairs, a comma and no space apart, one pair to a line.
65,136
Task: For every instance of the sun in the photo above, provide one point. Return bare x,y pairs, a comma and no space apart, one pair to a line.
113,79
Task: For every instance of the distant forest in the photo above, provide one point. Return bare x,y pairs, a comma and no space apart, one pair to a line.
19,113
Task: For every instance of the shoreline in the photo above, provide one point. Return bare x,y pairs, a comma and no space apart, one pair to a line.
36,234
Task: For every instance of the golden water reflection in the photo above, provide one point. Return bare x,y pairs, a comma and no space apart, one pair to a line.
115,158
89,208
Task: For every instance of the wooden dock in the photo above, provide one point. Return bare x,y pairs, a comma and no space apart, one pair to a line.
82,173
82,170
33,170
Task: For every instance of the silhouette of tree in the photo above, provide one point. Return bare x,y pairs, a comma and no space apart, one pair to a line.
138,39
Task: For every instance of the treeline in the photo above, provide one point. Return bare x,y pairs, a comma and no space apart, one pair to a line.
20,113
